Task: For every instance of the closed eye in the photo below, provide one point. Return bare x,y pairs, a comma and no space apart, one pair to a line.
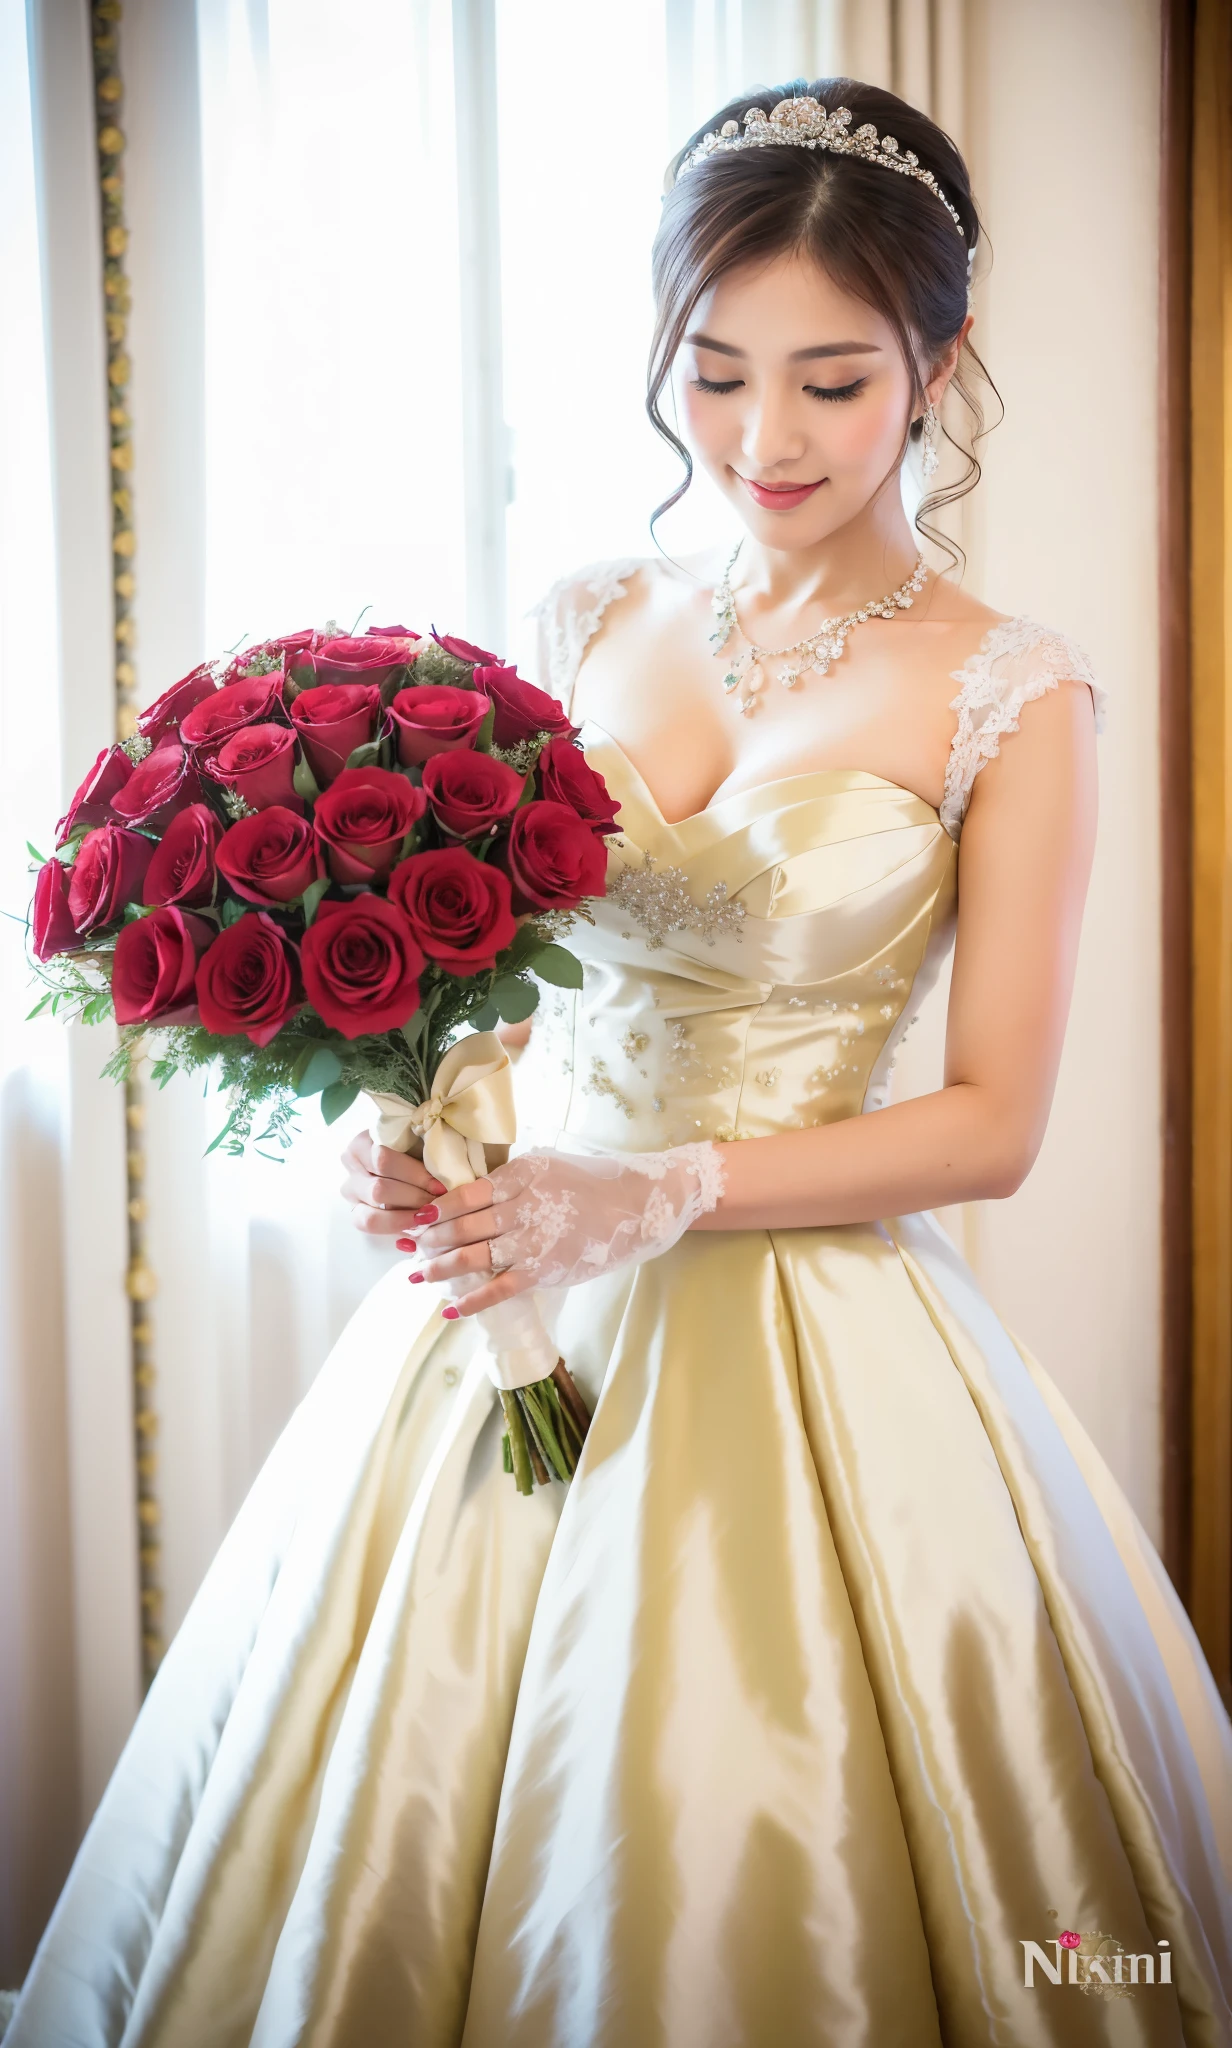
836,391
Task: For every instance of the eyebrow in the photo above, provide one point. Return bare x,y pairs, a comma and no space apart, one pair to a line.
798,355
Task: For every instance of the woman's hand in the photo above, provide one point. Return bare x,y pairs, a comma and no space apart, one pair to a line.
384,1188
554,1219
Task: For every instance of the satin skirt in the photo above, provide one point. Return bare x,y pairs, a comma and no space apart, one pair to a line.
842,1672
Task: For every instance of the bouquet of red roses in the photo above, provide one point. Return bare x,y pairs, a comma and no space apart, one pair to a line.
317,866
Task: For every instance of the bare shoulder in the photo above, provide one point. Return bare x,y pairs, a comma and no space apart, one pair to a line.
961,622
650,660
655,592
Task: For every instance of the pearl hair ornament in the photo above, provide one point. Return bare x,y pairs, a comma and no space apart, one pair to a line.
803,123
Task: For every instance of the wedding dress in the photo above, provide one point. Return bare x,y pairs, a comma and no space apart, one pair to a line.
843,1669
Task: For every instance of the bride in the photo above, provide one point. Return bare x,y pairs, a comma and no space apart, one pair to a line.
841,1699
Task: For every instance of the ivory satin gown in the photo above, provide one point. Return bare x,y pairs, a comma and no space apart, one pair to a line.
842,1669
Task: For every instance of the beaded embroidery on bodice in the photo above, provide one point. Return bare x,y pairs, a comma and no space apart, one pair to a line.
753,968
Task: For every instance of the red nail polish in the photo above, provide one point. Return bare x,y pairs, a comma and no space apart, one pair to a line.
415,1278
428,1215
406,1244
450,1313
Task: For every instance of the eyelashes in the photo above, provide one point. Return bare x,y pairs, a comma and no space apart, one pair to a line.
836,393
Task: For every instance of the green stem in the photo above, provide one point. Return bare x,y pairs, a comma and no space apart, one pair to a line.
523,1477
537,1410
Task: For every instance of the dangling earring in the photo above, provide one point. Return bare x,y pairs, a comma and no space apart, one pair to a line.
929,457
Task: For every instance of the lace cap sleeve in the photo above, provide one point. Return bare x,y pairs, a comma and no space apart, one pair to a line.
1015,662
567,618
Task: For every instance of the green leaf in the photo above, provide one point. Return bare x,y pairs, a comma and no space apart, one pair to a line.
414,1029
337,1099
483,738
34,854
312,897
223,1133
527,941
317,1068
233,911
515,999
559,966
43,1003
365,756
486,1018
304,782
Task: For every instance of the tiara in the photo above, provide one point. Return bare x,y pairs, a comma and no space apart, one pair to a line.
805,124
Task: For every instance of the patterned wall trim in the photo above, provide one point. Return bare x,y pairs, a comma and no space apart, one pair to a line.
140,1283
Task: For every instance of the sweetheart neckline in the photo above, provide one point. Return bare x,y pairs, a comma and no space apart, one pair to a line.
718,803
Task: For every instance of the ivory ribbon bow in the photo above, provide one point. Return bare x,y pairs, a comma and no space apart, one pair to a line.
471,1105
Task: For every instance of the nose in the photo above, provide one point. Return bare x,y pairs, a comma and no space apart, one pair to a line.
771,435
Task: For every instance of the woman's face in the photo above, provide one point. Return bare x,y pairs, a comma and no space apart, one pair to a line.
795,397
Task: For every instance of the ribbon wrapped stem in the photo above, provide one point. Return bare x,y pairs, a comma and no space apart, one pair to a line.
469,1115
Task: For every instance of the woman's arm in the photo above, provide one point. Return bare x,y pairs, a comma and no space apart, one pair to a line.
1024,866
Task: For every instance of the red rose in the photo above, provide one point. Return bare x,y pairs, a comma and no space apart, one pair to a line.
363,818
461,650
247,982
471,793
521,709
209,723
182,870
51,918
553,858
92,801
292,643
164,783
566,777
167,711
258,763
361,966
457,907
271,858
390,633
359,658
108,873
332,721
155,966
434,719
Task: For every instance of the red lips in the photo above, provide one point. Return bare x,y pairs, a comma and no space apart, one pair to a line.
779,497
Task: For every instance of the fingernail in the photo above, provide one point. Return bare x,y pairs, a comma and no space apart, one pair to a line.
406,1244
414,1278
428,1215
450,1313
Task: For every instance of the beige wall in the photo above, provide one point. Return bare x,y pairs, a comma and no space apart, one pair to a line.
1063,139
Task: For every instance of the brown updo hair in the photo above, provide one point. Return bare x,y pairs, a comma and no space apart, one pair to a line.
883,237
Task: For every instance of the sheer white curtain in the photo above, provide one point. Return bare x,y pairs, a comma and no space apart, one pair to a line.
330,390
38,1804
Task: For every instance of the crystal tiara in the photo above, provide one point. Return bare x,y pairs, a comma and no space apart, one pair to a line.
805,124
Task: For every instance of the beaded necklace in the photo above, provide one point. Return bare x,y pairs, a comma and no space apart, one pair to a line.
817,651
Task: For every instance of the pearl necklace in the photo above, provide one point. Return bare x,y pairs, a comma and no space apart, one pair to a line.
816,652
